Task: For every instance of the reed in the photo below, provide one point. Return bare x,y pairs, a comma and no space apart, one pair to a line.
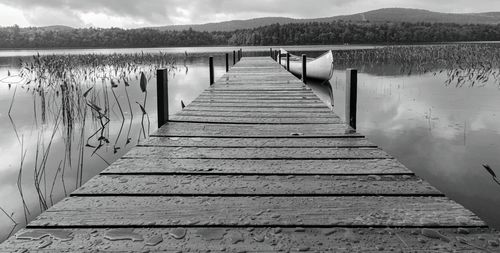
76,97
463,64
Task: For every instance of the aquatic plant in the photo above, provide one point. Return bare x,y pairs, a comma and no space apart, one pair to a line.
75,97
463,64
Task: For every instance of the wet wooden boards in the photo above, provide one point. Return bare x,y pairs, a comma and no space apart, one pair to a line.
257,163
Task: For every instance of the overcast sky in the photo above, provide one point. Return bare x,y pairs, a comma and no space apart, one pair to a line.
139,13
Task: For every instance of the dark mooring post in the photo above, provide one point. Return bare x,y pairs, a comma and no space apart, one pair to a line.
304,68
162,96
234,57
287,61
279,57
351,91
211,68
227,62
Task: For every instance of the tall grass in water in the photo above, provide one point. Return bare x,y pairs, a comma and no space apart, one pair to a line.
75,98
463,64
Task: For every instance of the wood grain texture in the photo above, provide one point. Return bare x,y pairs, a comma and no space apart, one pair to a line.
231,109
176,129
267,101
258,92
309,115
256,97
262,167
289,105
253,120
258,239
256,142
257,211
254,185
256,153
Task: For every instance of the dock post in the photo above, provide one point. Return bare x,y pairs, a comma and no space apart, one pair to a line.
234,57
227,62
279,57
351,88
211,68
162,96
304,68
287,61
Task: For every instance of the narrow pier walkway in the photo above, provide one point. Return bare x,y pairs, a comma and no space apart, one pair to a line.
257,163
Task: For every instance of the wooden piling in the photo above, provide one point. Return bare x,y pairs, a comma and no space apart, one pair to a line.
227,62
162,96
279,57
351,96
211,69
304,68
234,57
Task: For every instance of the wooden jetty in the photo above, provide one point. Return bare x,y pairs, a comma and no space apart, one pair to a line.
257,163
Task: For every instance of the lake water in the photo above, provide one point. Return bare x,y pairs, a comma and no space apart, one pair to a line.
444,134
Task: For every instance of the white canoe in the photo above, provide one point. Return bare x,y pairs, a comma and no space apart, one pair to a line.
320,68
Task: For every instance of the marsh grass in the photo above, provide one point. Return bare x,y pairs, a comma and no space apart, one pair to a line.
75,99
464,64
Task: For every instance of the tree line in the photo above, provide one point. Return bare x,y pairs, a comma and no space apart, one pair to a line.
336,32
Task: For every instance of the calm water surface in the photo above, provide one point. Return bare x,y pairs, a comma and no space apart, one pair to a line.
444,134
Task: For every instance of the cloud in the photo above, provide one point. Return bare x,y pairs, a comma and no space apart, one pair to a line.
133,13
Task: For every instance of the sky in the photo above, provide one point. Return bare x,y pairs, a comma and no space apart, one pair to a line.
137,13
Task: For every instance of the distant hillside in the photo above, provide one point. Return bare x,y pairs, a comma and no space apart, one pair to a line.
56,28
375,16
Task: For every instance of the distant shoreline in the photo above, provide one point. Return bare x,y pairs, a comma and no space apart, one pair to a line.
266,47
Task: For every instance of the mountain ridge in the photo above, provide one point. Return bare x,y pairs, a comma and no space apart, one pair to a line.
395,15
379,15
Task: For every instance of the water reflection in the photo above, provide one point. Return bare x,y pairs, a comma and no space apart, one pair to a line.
444,134
46,153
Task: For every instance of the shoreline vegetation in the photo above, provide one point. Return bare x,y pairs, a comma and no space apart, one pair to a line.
314,33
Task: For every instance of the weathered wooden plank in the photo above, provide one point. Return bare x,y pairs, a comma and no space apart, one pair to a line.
176,129
260,83
257,114
231,109
262,105
259,101
258,239
282,83
257,97
252,88
261,167
255,153
384,211
253,120
256,142
258,92
221,185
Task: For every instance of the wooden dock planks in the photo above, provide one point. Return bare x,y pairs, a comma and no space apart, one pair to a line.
256,164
